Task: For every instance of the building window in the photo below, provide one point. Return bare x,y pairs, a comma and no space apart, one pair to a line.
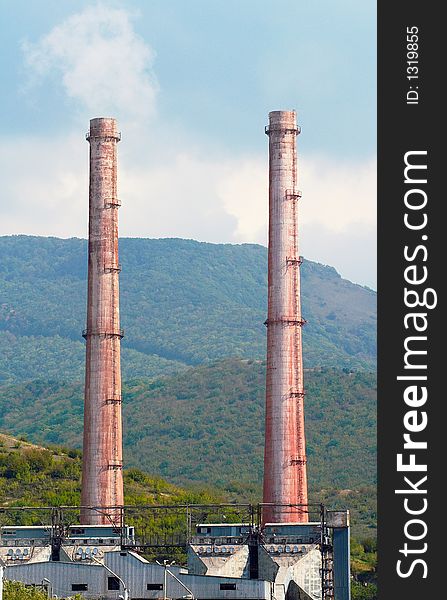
113,583
227,586
154,586
79,587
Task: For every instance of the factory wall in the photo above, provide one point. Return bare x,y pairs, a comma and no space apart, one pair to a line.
63,576
137,574
342,572
229,565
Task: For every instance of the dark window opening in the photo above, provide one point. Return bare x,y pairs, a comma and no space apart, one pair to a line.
253,562
79,587
208,529
113,583
154,586
227,586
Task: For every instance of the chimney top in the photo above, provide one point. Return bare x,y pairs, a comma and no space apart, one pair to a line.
103,127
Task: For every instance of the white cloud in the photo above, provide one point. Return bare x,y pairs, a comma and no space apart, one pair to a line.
179,198
338,194
192,196
338,216
243,191
337,213
45,183
101,62
169,185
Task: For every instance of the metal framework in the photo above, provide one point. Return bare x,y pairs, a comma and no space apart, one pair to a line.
179,520
166,530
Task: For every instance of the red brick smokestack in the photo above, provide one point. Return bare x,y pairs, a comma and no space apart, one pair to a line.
102,477
285,478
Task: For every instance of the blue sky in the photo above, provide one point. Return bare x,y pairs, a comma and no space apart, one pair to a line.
191,83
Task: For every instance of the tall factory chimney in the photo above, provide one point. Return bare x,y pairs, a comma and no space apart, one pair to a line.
102,477
285,478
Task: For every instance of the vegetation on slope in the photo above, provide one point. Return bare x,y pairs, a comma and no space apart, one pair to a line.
31,475
205,426
23,358
182,303
364,569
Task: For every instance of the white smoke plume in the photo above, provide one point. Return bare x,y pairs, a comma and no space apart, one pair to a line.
99,60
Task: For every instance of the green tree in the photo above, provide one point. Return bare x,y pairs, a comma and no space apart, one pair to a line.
363,591
15,590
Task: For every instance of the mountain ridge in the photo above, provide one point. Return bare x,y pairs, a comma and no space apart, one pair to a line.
183,303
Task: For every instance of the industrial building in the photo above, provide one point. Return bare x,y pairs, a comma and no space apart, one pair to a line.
285,549
282,561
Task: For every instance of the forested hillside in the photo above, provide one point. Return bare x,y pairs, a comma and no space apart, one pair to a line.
183,303
205,426
32,475
193,363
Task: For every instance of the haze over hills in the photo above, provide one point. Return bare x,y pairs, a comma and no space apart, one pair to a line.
183,303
